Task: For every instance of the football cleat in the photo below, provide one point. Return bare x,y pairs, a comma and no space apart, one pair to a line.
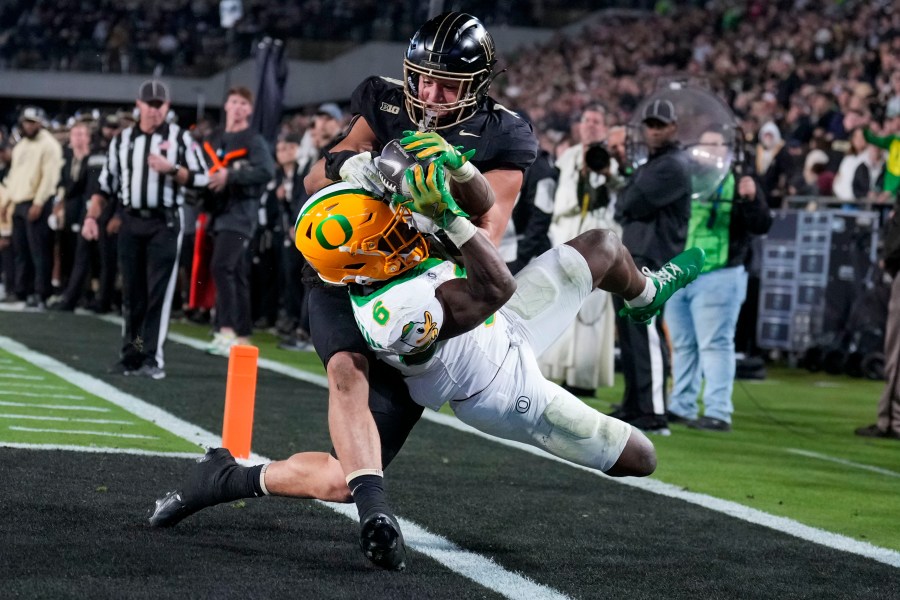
201,488
382,542
674,275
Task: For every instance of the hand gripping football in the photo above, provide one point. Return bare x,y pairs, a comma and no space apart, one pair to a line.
392,165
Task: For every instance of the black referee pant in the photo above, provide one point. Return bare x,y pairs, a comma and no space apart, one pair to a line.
645,367
149,245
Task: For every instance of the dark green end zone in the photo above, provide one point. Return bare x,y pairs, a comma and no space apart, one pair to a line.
41,408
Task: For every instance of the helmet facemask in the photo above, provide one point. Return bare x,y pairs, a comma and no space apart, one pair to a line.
473,89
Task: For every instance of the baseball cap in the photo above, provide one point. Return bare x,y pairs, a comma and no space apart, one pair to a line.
661,110
35,114
153,90
331,109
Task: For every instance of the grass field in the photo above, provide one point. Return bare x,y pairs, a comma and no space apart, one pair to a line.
483,520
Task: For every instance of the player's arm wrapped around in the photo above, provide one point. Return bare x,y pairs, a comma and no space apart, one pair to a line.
357,169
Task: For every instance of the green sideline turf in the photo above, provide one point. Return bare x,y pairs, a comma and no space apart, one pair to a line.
42,408
757,465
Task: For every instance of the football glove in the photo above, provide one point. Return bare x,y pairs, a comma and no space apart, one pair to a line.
430,144
430,196
360,171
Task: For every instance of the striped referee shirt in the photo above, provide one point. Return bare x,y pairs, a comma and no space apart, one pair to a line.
127,175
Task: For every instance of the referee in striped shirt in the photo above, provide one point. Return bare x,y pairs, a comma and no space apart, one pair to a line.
147,168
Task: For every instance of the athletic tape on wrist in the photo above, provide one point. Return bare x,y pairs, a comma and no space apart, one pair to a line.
359,472
262,479
460,231
464,173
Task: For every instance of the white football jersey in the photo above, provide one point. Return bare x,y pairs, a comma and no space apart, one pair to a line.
401,322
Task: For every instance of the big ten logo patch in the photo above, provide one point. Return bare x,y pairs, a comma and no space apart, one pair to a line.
390,108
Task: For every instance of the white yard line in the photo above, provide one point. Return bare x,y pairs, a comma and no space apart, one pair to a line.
40,395
103,450
54,406
13,417
841,461
15,376
473,566
82,432
33,386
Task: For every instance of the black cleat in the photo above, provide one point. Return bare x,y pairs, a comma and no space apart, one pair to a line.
382,542
201,489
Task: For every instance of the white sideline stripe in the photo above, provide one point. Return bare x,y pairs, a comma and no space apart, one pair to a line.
841,461
101,450
468,564
66,419
41,395
733,509
54,406
14,376
480,569
82,432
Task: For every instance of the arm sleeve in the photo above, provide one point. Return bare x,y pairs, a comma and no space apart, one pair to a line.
190,155
882,141
51,168
755,216
110,175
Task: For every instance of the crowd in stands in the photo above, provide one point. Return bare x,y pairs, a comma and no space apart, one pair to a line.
187,37
804,78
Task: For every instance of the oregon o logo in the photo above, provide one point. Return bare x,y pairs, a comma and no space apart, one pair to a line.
345,226
523,403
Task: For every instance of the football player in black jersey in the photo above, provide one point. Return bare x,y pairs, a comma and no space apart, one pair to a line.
442,103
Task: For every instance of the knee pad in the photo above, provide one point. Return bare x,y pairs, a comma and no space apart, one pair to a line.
582,435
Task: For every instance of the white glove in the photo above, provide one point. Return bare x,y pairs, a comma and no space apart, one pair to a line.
360,171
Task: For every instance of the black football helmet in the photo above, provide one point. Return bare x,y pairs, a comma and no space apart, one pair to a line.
453,46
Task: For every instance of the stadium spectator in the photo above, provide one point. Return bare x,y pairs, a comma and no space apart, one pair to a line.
81,183
147,166
653,210
702,318
30,186
859,169
583,357
240,166
889,139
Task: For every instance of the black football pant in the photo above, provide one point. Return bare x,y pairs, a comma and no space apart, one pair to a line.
230,268
148,260
33,251
295,293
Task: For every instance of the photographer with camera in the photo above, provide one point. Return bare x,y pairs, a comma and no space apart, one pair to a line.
583,356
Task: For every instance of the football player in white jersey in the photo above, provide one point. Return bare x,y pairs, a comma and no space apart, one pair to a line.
469,336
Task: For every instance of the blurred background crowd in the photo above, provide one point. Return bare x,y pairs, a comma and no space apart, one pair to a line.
803,78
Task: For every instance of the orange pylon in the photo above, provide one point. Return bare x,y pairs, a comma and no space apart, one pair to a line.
240,396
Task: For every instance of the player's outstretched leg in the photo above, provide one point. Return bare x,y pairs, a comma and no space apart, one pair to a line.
216,478
644,291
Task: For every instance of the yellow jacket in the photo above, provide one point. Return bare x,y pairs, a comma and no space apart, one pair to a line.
34,170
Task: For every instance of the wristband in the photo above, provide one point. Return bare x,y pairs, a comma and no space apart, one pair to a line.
174,171
464,173
460,231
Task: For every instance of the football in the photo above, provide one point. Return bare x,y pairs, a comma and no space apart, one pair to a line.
392,165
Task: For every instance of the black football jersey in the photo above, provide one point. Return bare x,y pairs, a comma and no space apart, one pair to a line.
500,137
